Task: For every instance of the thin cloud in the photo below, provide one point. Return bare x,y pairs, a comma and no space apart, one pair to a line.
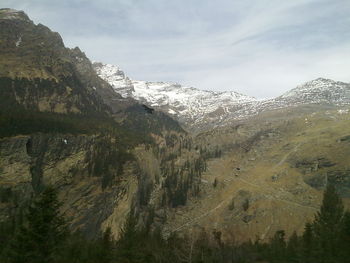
257,47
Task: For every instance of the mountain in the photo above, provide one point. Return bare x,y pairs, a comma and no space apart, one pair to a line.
318,91
250,167
39,73
192,107
277,154
271,174
201,110
64,126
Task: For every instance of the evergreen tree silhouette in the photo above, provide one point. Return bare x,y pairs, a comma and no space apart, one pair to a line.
327,226
307,240
41,236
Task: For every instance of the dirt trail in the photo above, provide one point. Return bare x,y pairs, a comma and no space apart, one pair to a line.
283,160
276,198
199,217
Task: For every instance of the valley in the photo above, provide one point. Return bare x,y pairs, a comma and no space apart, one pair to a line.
177,160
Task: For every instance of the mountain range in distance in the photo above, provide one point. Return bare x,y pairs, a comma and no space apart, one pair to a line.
200,110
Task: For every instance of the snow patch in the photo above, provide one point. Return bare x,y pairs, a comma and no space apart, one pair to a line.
196,107
172,111
19,41
343,111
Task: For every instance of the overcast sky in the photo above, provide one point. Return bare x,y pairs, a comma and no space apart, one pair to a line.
260,48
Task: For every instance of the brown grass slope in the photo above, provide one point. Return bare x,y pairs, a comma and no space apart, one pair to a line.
272,174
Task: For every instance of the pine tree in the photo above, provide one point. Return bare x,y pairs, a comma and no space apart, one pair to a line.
327,226
40,237
7,230
307,244
105,247
278,247
293,251
77,249
130,246
345,238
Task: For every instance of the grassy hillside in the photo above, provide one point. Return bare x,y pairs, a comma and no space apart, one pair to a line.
272,173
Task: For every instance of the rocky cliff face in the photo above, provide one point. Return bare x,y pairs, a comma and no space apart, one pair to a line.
29,50
90,196
98,179
62,125
39,73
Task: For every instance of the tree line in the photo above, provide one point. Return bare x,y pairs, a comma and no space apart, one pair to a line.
41,235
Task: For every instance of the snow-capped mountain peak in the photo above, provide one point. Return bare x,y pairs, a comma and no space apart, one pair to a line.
188,104
199,109
320,90
115,77
316,85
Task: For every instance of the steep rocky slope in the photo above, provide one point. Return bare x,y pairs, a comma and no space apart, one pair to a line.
201,110
62,125
38,72
99,181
